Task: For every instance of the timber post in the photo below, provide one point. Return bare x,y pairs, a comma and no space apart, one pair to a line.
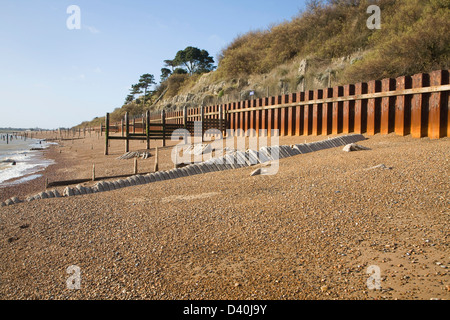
127,132
106,133
163,120
147,128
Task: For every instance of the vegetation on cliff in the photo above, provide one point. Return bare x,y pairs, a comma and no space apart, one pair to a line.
328,43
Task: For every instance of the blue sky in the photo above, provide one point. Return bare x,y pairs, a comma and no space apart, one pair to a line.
52,77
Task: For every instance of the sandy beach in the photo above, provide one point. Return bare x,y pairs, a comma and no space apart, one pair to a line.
312,231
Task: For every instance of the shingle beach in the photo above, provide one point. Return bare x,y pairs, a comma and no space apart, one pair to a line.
311,231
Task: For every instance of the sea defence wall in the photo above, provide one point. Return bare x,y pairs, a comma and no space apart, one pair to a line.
231,160
415,105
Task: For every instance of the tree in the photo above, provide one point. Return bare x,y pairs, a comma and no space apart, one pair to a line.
165,73
135,89
194,60
129,99
179,71
171,63
144,83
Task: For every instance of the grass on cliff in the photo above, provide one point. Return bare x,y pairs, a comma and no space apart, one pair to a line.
414,37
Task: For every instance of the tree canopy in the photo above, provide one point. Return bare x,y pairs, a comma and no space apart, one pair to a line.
194,60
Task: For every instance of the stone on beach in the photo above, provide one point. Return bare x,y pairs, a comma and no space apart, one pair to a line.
354,147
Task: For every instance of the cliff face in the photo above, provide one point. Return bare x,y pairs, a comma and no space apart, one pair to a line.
297,75
328,44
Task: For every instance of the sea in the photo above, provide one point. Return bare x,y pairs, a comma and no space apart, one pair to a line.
18,162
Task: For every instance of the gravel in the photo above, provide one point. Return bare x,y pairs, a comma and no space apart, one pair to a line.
309,232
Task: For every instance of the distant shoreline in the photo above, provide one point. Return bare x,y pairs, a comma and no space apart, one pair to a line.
36,184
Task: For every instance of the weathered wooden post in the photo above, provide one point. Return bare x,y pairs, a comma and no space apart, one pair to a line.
156,159
283,115
246,124
437,106
388,107
127,132
290,114
264,116
271,102
276,115
185,123
337,110
202,119
106,133
135,166
317,113
360,108
93,172
417,106
402,107
176,158
222,126
163,120
241,105
147,128
346,127
307,114
372,108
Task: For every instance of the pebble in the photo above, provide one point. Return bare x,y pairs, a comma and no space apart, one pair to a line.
260,227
